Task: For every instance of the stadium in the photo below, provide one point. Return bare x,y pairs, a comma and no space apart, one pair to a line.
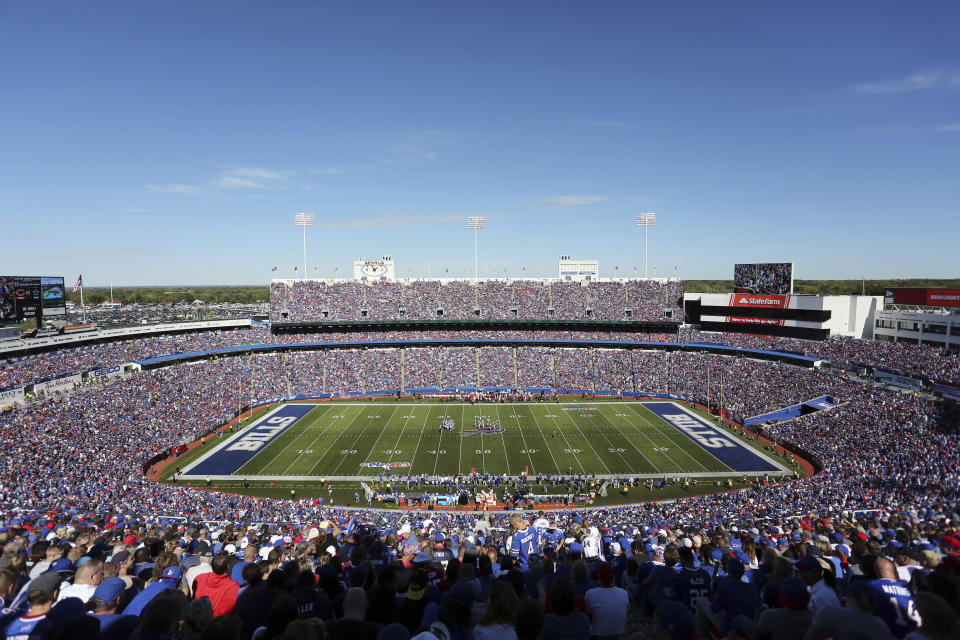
663,342
379,413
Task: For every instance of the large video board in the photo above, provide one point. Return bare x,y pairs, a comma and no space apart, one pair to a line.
768,278
25,297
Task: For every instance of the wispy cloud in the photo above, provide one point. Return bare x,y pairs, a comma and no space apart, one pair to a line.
249,178
920,81
233,182
953,127
174,188
258,173
392,221
609,124
566,202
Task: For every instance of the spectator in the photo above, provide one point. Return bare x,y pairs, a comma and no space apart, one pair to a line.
217,586
853,621
498,618
607,605
563,621
353,625
792,618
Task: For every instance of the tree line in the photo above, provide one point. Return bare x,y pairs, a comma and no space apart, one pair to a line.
246,294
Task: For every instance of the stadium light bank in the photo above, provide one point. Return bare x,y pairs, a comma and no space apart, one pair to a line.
646,220
304,220
476,223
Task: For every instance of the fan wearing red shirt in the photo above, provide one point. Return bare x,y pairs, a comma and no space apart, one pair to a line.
218,586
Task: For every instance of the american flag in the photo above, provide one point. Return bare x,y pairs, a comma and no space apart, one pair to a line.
78,284
274,269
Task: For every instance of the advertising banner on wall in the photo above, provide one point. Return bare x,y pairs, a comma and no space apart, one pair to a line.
759,301
923,297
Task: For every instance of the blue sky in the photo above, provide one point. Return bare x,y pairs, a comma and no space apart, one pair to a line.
172,142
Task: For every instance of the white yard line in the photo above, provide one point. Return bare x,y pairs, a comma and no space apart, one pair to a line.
379,436
545,442
324,430
284,449
669,436
613,448
230,440
483,456
419,438
335,441
406,421
567,442
301,422
533,468
589,444
463,416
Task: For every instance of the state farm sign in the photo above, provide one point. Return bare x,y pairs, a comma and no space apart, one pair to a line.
758,300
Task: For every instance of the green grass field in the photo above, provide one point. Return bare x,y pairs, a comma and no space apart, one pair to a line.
337,441
603,438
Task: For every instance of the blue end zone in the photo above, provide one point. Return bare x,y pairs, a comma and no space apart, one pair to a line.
795,411
710,438
240,449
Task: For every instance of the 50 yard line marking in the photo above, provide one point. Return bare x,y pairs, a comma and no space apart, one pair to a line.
503,439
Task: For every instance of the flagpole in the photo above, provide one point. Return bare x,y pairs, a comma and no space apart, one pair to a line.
83,311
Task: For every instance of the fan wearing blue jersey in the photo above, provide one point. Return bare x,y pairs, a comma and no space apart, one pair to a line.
553,537
41,594
691,583
524,543
893,601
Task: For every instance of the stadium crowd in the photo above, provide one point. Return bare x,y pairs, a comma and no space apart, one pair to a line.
44,366
868,547
901,357
339,300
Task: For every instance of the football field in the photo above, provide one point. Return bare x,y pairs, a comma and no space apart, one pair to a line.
350,440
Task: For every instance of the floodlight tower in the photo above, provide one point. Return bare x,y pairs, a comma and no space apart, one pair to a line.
476,223
304,220
646,220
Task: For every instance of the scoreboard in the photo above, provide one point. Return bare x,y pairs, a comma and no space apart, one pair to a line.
28,297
